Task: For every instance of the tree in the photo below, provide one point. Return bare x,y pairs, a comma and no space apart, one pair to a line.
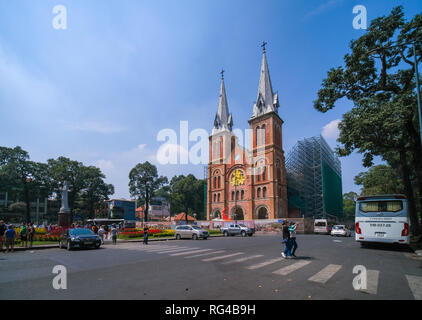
187,194
144,182
63,169
378,78
349,204
27,178
381,179
95,189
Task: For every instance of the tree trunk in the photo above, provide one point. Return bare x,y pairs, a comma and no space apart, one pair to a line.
146,204
28,204
405,171
416,150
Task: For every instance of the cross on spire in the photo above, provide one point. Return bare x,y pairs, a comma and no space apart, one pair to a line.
222,74
263,46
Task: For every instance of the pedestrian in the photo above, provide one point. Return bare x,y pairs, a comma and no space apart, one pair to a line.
101,234
146,234
292,230
3,229
114,234
10,235
106,232
31,234
286,240
24,235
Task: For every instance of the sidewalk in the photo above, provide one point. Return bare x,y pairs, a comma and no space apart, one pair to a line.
106,242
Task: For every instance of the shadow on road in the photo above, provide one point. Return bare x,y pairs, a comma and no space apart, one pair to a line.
387,247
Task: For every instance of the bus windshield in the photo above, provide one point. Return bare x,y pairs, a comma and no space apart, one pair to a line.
386,208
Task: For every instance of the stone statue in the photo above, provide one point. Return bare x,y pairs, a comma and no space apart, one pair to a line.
65,203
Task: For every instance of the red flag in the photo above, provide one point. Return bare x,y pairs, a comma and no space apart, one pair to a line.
225,217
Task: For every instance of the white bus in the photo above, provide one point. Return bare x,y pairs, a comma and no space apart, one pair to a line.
382,218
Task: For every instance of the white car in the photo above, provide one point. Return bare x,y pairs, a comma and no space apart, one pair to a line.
340,230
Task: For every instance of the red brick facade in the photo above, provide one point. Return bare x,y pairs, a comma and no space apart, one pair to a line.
263,195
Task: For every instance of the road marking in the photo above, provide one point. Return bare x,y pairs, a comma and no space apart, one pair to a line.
337,241
372,282
325,274
222,257
189,252
205,254
293,267
415,284
243,259
175,250
265,263
163,248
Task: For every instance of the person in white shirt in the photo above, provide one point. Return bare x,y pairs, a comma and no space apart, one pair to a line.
101,232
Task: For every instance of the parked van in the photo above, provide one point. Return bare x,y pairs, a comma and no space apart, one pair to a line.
321,226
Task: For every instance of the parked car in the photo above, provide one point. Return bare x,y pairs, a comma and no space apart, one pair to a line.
237,229
191,232
341,230
79,238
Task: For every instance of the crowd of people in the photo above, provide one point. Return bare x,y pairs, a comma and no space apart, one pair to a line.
8,235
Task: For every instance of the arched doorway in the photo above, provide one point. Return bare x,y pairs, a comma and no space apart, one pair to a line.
262,213
237,213
216,214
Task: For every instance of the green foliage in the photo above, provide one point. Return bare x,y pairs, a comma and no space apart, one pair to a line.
349,203
378,77
144,182
381,179
187,195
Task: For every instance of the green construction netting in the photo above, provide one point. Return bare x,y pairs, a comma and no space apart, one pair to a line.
332,192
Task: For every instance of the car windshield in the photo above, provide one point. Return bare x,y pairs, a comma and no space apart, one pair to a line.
197,228
78,232
338,227
320,224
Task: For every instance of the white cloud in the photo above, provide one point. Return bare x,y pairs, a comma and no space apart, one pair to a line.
171,153
322,8
104,165
330,130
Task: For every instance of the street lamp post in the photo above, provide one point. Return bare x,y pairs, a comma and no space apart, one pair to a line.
418,90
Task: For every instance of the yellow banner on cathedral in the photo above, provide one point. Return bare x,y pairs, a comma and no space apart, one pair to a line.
237,178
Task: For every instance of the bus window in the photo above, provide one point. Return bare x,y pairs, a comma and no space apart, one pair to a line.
387,208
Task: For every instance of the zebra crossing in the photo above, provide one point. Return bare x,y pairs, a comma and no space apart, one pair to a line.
259,261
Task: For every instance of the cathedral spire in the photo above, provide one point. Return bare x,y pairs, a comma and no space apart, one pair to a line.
223,119
266,100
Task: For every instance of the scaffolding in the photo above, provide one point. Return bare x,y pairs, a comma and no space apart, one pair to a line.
314,179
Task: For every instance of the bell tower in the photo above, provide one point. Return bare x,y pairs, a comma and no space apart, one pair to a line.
269,172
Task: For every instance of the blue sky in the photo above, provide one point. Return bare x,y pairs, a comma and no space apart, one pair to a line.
101,90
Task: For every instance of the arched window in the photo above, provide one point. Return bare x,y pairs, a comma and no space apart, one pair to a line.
258,174
258,193
232,195
263,173
215,197
257,136
263,134
237,195
219,180
264,192
242,194
215,182
218,197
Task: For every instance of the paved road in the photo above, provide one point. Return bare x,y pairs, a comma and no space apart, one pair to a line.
219,268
